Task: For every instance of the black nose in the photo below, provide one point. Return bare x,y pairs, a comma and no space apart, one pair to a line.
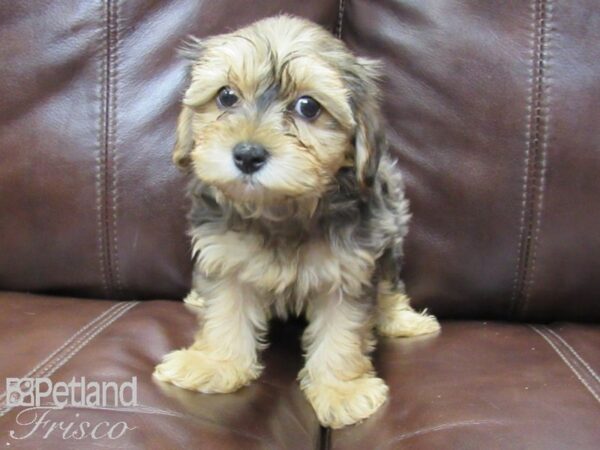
249,157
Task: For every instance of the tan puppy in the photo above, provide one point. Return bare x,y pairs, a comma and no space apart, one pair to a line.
296,208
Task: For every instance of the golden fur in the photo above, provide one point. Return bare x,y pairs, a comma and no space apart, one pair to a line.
317,230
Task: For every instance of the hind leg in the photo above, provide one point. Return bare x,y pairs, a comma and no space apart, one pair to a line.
395,316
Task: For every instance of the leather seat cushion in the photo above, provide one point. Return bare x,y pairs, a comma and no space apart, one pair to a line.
62,338
475,385
487,385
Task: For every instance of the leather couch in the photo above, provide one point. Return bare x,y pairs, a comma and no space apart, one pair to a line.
493,112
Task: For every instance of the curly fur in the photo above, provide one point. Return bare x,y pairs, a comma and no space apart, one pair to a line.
318,230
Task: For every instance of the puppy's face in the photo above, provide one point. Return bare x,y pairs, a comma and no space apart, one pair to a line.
275,110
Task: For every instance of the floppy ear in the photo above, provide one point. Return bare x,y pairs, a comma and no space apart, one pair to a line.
190,50
184,140
369,141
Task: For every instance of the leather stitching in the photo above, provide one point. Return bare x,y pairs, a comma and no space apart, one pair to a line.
52,368
66,343
106,121
577,355
434,429
524,190
534,163
107,185
100,166
541,138
49,366
340,18
567,362
111,141
41,368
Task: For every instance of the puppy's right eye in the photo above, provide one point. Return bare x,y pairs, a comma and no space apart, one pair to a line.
227,97
307,107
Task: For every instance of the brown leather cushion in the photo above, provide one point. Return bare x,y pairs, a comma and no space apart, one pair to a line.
492,108
476,385
89,201
493,113
487,385
62,338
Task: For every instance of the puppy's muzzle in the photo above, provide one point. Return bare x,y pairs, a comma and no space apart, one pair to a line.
249,157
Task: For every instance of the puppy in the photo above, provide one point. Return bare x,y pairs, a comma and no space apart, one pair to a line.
297,208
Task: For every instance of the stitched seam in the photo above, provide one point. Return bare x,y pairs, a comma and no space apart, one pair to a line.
100,165
47,363
433,429
93,326
104,150
534,129
524,192
50,369
572,350
110,320
108,215
106,122
112,142
541,137
567,362
340,18
66,343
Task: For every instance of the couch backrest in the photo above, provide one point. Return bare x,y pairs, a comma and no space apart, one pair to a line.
90,203
492,111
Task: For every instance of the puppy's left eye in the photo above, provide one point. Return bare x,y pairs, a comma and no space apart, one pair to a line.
307,107
227,97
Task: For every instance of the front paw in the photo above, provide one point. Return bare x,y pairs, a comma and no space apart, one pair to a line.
407,323
194,299
340,403
197,371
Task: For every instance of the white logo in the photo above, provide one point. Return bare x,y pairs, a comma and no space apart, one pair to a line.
41,397
28,392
